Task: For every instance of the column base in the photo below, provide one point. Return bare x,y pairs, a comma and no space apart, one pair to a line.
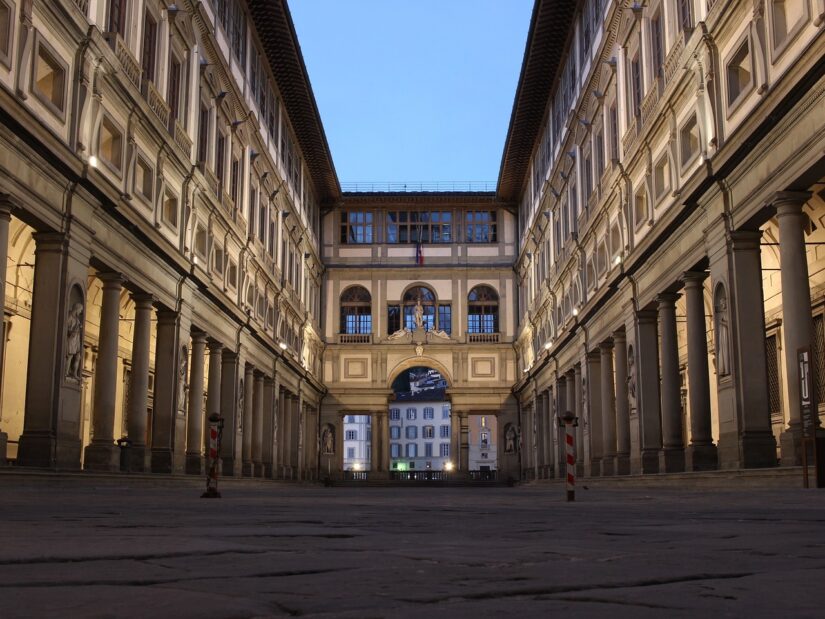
790,446
162,461
702,458
247,469
268,470
595,469
608,466
649,461
44,450
672,460
579,471
194,464
259,469
623,464
101,456
758,450
136,461
228,467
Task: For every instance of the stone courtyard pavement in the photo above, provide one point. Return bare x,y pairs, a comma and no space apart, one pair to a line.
97,547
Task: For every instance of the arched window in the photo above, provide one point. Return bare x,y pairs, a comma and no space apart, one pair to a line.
482,310
356,311
411,299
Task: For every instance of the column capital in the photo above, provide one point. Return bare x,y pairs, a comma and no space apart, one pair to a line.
694,278
667,299
249,370
111,279
49,241
790,202
198,336
619,337
745,240
8,204
167,316
214,345
606,346
646,316
142,300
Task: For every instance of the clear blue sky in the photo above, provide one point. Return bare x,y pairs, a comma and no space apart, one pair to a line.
414,90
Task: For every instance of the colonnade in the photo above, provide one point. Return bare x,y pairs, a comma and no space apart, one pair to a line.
645,408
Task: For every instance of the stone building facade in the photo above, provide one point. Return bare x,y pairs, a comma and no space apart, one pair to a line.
177,245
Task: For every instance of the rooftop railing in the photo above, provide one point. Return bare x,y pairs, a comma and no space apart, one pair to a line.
418,187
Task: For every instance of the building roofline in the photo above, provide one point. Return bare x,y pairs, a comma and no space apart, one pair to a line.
276,30
547,40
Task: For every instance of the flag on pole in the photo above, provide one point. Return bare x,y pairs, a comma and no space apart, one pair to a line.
419,253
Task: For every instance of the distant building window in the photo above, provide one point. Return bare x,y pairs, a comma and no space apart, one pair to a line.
356,227
640,208
445,412
411,432
110,144
356,311
689,141
412,451
740,73
350,418
393,319
49,79
232,274
218,260
661,177
635,85
200,241
444,450
169,214
6,32
428,450
423,226
657,44
613,126
395,432
411,414
144,179
482,310
150,44
428,432
118,13
444,431
395,450
350,452
685,15
445,319
351,435
424,296
480,227
428,412
395,414
485,439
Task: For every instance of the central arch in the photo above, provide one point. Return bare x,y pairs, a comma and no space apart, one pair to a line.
413,362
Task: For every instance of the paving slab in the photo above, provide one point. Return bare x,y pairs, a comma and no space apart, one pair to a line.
77,546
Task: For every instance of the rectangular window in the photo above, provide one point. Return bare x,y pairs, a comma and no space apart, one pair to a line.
395,414
169,213
657,44
220,160
772,361
110,144
426,226
739,72
351,435
395,432
412,451
444,450
635,85
444,431
786,18
350,453
685,15
235,181
428,432
232,274
356,227
200,241
218,260
428,450
598,145
445,318
429,413
203,133
445,412
118,11
689,141
411,414
173,97
49,79
411,432
6,32
393,319
480,227
661,177
395,450
150,45
144,179
613,122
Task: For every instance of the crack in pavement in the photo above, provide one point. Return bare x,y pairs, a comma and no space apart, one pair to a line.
163,555
536,591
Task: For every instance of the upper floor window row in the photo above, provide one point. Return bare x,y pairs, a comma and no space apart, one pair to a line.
419,226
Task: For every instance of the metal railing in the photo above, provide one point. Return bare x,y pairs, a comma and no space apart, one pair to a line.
483,338
356,475
418,187
419,475
355,338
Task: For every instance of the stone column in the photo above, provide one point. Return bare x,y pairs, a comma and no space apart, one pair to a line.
701,453
549,432
464,463
282,435
6,208
138,403
231,374
608,397
102,453
622,407
213,387
745,436
289,445
300,431
270,402
574,403
797,324
561,408
54,381
248,407
195,414
673,452
648,418
592,413
375,445
258,427
166,387
455,440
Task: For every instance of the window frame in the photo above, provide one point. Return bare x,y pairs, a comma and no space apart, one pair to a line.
731,105
42,97
116,169
6,54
